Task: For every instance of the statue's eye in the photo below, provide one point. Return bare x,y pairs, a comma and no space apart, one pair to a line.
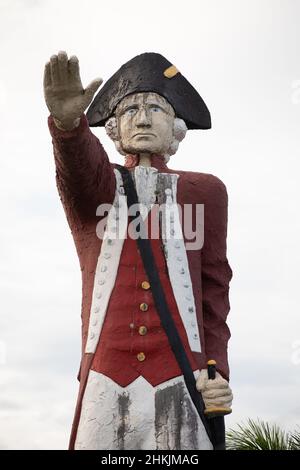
155,109
130,111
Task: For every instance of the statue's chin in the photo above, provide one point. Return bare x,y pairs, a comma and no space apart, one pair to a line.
135,150
138,149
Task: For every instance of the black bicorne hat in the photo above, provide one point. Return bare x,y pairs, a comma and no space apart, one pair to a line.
153,73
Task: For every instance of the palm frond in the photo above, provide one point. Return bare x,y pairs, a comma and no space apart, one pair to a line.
258,435
294,440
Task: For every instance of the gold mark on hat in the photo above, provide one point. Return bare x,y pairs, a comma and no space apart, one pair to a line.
171,71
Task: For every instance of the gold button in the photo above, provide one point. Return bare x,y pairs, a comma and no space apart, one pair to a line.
141,357
144,307
145,285
142,330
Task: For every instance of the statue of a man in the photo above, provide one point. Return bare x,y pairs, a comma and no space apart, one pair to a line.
132,394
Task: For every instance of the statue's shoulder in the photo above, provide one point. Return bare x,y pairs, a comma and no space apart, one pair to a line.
205,184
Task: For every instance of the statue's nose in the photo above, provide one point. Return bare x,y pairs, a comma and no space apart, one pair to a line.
143,118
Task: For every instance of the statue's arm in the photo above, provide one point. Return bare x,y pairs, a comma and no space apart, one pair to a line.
85,177
216,276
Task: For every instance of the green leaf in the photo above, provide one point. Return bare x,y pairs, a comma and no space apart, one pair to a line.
260,435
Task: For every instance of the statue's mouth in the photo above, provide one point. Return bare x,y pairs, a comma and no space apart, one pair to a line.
144,134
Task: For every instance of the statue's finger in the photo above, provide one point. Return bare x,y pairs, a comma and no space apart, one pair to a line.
54,70
73,69
47,75
211,384
63,66
217,393
220,401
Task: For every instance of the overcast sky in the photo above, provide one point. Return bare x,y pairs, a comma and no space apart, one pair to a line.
243,56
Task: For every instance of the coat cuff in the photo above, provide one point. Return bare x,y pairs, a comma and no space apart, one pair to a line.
59,134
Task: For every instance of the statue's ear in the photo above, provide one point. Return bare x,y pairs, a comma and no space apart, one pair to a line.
111,127
179,129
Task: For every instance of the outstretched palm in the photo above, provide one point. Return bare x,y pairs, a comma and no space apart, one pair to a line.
64,94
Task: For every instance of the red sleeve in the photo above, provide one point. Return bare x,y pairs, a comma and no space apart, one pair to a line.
84,175
216,275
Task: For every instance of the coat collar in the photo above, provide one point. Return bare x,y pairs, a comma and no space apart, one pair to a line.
157,161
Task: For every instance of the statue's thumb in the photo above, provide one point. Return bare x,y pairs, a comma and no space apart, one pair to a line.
92,88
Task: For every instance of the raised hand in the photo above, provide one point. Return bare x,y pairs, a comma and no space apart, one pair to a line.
65,96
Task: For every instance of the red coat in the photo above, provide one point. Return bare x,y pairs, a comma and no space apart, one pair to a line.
85,179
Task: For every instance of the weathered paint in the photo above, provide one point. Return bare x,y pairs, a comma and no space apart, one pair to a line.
139,416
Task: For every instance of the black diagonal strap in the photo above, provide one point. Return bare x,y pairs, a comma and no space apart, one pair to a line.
166,318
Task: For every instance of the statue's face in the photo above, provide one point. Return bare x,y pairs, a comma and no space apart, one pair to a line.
145,123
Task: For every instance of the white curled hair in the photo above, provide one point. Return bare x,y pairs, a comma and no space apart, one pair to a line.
179,132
